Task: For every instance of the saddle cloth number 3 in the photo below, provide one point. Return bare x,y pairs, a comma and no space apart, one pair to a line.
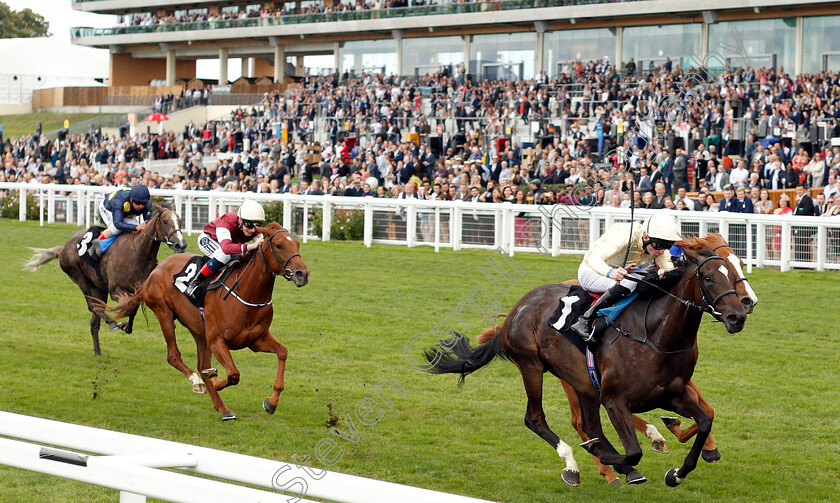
181,281
84,244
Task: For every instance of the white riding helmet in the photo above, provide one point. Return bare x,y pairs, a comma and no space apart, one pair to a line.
662,226
251,210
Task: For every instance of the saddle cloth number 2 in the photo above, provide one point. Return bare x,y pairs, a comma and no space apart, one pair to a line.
181,281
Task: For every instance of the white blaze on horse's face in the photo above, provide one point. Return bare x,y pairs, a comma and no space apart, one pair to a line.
736,262
723,270
175,225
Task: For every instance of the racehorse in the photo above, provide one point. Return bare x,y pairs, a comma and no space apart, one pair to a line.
710,452
128,262
645,361
239,316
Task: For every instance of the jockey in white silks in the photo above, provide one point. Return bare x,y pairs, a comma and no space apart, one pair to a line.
604,269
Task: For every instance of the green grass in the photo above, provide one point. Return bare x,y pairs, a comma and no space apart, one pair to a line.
773,386
25,124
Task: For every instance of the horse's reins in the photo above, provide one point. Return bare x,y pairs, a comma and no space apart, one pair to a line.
166,240
287,273
704,294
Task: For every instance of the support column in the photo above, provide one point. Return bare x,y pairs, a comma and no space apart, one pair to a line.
398,36
704,41
246,67
619,35
279,63
170,66
223,66
467,53
797,61
541,26
337,57
300,70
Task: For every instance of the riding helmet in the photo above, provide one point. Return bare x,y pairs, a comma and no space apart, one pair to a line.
139,194
251,210
662,226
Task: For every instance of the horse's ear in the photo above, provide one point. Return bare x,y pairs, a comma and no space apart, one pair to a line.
690,254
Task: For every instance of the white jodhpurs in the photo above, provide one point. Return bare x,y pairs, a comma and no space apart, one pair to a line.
591,281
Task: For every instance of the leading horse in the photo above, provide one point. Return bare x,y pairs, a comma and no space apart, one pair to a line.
237,315
128,262
645,361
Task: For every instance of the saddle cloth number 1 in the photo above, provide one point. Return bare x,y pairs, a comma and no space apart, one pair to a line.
568,302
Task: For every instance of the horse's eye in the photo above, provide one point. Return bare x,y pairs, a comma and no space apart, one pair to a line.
708,277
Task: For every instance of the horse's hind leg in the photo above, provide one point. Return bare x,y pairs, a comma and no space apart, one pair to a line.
173,354
658,442
604,470
268,344
95,318
532,376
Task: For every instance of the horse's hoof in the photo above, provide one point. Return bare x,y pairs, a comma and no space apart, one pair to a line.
636,477
660,446
268,407
571,477
712,456
199,388
117,326
671,479
228,415
670,421
616,483
590,444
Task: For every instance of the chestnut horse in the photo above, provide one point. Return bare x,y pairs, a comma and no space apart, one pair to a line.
646,360
237,315
129,261
710,453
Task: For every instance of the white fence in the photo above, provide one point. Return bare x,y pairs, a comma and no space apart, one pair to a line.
760,240
135,466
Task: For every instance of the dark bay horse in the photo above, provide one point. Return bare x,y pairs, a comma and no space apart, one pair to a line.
127,263
710,453
237,315
645,360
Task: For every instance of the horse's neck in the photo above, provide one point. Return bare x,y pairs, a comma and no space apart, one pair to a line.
675,325
257,279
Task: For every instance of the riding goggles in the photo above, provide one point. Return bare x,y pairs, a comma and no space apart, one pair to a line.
660,244
251,224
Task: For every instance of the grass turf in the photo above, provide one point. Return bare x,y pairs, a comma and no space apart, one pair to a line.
25,124
773,385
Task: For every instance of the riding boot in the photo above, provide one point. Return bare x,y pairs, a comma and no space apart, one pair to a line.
192,286
583,326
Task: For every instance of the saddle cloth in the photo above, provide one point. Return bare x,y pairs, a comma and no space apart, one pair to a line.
191,269
89,238
574,304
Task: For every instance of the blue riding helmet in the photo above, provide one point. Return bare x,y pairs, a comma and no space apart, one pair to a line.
139,194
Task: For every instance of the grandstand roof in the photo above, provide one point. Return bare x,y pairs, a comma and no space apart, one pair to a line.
50,57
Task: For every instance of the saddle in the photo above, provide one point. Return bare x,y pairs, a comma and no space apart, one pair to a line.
193,268
574,304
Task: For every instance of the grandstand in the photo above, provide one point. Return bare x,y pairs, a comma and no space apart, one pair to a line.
511,39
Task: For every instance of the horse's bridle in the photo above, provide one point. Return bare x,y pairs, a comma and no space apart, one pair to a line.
166,240
704,293
287,273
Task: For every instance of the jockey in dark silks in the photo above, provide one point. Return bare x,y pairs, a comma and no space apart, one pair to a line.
120,211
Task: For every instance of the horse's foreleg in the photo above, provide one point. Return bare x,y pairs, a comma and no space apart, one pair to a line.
658,442
220,350
622,420
95,318
577,423
173,354
686,405
129,327
532,376
268,344
600,447
94,332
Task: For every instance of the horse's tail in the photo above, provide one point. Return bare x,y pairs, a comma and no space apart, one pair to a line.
456,356
126,304
41,257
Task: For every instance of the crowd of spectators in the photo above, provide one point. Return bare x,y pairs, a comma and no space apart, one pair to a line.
435,138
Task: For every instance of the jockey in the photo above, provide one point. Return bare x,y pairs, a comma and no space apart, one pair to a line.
119,212
226,236
603,269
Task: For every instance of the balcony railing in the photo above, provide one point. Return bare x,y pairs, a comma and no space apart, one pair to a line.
327,17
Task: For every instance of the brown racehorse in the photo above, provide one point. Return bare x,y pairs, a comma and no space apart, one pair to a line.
236,316
645,361
127,263
710,453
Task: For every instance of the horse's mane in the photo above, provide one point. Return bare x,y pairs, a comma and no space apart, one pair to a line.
695,243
